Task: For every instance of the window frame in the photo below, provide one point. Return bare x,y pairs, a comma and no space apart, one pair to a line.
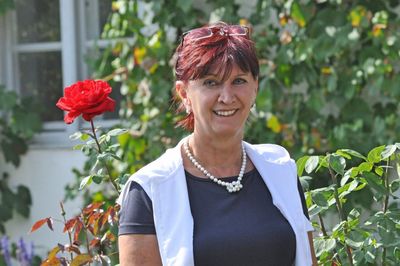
74,41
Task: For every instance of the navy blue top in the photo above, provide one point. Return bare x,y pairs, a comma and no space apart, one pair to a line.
242,228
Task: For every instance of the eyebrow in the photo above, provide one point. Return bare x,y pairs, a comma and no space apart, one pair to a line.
216,76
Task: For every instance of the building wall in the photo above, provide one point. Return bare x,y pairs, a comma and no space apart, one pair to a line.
45,172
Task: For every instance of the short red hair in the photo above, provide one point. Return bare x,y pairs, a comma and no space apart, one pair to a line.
196,56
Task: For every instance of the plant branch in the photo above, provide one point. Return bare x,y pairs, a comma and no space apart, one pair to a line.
115,185
386,181
86,234
321,223
69,233
341,212
386,203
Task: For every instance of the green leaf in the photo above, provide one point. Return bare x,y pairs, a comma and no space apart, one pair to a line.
388,151
97,178
346,177
374,155
185,5
395,185
117,132
352,153
76,135
370,257
123,179
337,163
311,164
385,230
5,213
364,167
301,163
7,100
319,199
379,170
304,181
297,14
78,147
321,245
375,182
84,136
85,182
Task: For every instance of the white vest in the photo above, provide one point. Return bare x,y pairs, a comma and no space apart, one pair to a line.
164,182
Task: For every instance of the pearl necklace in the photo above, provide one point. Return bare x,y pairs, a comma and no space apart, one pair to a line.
230,186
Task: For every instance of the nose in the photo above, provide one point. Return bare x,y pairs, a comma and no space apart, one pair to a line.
227,94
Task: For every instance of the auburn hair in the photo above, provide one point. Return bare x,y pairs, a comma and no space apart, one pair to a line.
220,52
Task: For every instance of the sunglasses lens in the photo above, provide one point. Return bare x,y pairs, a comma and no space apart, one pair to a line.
199,33
237,30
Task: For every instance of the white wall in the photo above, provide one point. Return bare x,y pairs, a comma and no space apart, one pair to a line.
45,172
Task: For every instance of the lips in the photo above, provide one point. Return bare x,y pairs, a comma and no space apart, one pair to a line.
225,113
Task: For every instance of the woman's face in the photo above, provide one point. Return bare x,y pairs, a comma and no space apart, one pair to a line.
220,108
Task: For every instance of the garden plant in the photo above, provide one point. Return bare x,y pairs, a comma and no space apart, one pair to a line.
329,84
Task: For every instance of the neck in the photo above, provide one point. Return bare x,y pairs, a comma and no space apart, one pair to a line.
221,157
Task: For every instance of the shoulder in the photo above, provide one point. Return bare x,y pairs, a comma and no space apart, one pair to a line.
270,152
161,168
157,171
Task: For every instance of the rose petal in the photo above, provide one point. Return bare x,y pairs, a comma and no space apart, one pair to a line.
88,97
63,105
107,105
70,116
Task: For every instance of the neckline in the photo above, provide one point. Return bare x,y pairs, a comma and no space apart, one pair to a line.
227,178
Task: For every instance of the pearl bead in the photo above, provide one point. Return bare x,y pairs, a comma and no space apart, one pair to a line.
233,186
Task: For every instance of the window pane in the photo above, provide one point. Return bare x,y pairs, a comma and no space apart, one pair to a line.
41,77
38,21
97,12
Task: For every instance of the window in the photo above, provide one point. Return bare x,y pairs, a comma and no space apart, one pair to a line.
49,41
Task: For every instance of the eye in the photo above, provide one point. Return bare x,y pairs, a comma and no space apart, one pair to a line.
239,81
210,83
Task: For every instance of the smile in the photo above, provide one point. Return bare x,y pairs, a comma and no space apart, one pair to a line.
225,113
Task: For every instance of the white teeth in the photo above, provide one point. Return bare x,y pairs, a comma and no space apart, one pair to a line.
225,113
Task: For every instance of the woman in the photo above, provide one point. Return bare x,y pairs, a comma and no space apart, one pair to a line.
215,199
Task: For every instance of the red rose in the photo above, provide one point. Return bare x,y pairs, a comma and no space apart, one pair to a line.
87,98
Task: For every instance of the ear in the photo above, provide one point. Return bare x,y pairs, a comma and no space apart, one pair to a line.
180,88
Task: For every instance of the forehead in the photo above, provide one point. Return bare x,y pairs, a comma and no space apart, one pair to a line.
225,71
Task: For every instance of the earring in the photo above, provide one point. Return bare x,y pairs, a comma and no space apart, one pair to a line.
253,108
188,109
187,106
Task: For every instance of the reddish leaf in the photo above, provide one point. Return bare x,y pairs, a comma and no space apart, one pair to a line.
78,228
91,207
104,218
90,228
95,242
93,218
81,260
50,223
39,224
70,224
108,237
73,249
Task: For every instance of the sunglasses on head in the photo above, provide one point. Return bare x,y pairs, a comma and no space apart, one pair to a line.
223,30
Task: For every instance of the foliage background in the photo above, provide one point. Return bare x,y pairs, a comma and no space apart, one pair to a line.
329,70
329,79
